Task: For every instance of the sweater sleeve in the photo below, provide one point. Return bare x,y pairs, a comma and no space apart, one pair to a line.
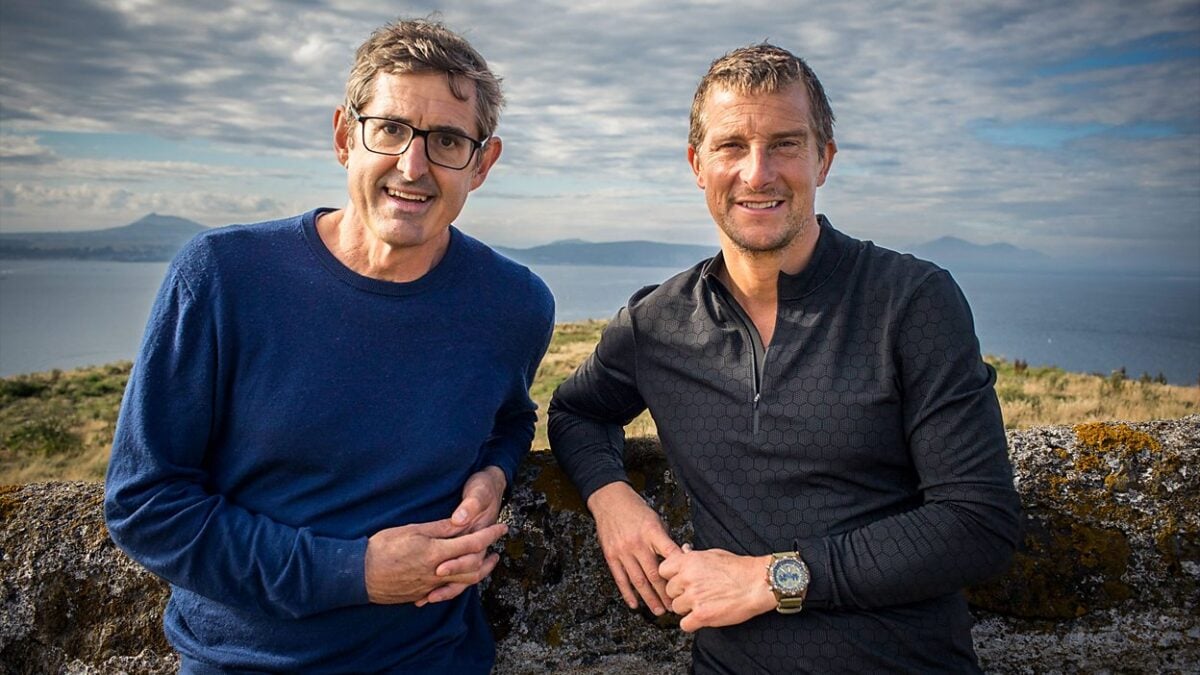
590,409
967,524
512,433
159,504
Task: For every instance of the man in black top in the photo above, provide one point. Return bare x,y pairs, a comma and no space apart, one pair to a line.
821,400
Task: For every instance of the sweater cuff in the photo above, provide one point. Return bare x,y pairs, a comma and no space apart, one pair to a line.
342,565
815,553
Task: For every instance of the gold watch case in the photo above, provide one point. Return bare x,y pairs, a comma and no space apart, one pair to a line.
788,578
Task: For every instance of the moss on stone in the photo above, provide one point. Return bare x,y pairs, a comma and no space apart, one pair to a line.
1063,569
1107,436
560,492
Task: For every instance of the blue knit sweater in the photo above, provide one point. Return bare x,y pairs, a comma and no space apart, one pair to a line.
283,409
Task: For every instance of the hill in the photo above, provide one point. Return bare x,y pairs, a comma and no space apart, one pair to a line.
622,253
152,238
954,253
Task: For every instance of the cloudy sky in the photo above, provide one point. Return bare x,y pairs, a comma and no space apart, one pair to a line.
1072,128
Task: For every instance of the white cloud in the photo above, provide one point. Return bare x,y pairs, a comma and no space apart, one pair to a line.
599,93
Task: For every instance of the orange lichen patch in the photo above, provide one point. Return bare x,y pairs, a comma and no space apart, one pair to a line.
1063,569
8,501
561,493
1105,437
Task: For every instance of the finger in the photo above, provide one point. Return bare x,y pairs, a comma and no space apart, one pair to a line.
637,572
466,511
662,543
437,529
670,567
477,574
454,589
463,564
622,581
650,565
682,605
473,542
443,593
674,590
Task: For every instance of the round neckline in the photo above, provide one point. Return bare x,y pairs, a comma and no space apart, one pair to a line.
443,270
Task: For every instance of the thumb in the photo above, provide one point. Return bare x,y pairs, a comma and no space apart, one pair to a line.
665,546
465,511
439,529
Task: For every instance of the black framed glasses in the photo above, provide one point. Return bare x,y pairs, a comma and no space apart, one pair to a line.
385,136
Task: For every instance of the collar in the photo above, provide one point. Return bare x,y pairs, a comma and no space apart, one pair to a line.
832,247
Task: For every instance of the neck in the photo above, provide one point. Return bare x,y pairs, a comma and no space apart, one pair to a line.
357,249
753,276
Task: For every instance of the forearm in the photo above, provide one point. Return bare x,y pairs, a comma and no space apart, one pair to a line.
207,545
590,452
933,550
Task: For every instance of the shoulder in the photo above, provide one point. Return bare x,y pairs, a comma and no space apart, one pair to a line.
680,291
894,273
236,245
520,286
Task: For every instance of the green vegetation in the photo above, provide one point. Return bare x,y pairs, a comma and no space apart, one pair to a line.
59,425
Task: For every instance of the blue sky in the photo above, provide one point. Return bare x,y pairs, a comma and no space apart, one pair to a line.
1072,128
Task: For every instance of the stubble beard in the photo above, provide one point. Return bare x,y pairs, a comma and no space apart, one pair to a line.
795,227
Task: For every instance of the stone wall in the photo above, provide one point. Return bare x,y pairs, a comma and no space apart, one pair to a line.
1107,578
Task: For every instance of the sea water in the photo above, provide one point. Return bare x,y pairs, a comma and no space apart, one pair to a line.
69,313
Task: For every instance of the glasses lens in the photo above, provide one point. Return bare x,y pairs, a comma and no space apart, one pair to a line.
448,149
387,136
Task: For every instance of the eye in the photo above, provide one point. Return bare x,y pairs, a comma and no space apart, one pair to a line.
391,129
449,141
789,147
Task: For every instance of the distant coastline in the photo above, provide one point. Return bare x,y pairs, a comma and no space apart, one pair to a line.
156,238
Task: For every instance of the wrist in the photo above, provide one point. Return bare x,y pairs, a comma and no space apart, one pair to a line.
607,495
763,597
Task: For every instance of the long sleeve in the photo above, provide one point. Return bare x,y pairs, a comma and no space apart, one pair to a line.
589,410
516,417
966,526
159,502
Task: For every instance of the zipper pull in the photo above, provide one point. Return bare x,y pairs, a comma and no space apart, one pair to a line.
757,395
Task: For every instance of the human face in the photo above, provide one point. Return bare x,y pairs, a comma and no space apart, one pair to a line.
405,201
759,168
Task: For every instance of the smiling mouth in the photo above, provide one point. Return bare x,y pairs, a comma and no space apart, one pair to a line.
761,205
406,196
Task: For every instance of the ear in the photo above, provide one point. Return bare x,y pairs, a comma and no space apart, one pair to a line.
342,135
488,154
826,161
694,161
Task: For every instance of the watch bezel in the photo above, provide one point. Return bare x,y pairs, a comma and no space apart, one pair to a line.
789,587
789,595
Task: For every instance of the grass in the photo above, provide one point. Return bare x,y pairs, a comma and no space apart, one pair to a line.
59,425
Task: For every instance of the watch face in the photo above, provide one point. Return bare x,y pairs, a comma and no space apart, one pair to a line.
789,576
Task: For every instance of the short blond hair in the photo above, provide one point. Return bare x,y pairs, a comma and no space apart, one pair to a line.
426,46
762,69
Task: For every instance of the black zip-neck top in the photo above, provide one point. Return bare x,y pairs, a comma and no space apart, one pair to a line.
868,431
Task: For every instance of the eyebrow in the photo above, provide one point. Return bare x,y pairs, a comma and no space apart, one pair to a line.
437,127
798,132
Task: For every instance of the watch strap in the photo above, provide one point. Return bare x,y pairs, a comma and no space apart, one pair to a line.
787,604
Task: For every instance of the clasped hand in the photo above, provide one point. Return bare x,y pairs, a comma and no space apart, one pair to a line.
714,587
706,588
437,561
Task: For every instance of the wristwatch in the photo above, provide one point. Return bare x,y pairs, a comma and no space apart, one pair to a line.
788,577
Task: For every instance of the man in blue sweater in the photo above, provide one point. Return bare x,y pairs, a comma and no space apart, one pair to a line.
327,409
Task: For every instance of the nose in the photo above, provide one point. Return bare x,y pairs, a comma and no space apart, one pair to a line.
413,163
758,168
